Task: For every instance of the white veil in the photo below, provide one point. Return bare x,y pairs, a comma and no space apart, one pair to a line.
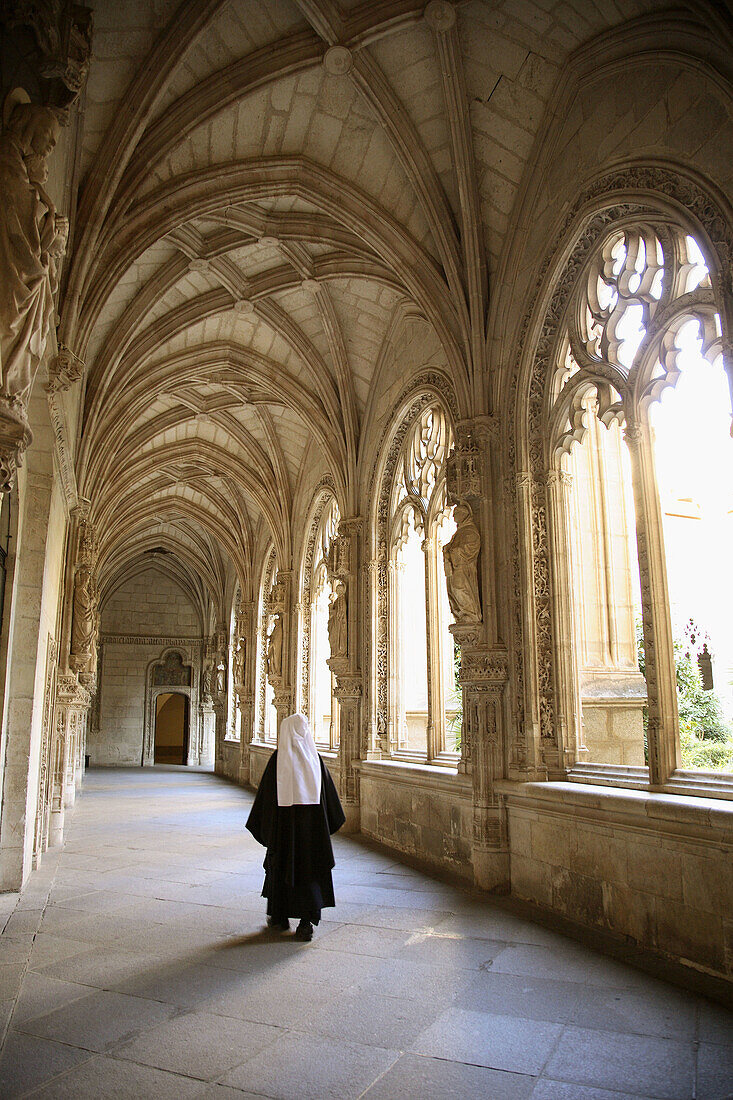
298,764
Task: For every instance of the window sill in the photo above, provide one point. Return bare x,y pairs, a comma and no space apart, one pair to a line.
439,777
697,784
649,810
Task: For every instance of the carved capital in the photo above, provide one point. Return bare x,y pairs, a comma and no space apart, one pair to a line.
15,436
63,371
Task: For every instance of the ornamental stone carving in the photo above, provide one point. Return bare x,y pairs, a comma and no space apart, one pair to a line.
460,557
338,622
32,241
275,650
84,630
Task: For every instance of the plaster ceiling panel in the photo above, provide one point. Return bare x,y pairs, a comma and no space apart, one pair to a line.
316,115
292,433
125,289
237,30
512,61
364,310
123,35
409,61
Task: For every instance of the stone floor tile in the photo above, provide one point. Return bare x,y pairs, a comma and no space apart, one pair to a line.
520,995
488,1039
451,953
566,962
649,1065
364,940
41,995
667,1013
371,1019
23,922
15,949
104,967
408,920
714,1072
26,1062
96,1021
337,969
269,999
417,981
186,985
312,1068
561,1090
417,1078
103,1078
49,948
199,1044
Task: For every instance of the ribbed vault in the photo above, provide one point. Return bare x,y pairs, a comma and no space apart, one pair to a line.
278,183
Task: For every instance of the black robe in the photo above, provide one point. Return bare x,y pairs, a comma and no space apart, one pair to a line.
299,855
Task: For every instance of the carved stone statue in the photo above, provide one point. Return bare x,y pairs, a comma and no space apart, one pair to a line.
221,678
461,571
238,662
275,650
32,241
84,621
206,682
338,622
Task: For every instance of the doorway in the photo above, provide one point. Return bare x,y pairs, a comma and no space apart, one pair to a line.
171,728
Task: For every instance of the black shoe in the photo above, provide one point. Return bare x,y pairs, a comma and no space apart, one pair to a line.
304,931
278,925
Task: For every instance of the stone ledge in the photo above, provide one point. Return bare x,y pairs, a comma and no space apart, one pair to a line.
684,815
427,775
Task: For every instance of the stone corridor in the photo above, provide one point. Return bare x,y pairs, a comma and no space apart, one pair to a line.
137,965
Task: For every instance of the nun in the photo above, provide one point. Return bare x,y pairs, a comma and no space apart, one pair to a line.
295,811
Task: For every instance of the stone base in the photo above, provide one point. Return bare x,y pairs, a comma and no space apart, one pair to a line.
491,870
353,818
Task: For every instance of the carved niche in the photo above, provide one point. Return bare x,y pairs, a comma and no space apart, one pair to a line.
172,672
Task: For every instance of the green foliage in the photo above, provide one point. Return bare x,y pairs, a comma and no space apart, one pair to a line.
706,739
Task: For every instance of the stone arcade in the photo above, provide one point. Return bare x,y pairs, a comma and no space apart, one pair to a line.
319,390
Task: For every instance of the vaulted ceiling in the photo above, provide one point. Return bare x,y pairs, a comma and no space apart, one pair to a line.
263,186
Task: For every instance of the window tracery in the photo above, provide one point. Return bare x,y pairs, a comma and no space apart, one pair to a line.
643,307
421,650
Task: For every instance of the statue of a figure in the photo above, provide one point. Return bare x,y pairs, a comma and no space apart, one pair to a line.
32,241
338,622
206,682
461,571
221,678
238,662
84,621
275,650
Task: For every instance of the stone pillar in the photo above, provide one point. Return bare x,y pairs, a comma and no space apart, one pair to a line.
242,675
344,569
567,677
483,671
663,727
279,648
72,704
208,734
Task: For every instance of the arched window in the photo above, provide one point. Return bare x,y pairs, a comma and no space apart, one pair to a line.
266,722
641,495
320,682
421,649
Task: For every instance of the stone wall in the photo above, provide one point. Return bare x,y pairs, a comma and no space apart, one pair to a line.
424,812
656,869
139,623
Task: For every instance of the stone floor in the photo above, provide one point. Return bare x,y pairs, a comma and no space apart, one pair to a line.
137,965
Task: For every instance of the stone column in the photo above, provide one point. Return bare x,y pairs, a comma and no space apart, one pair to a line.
344,569
483,671
72,704
208,734
663,727
567,678
243,679
279,652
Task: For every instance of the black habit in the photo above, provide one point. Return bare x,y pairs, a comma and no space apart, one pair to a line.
299,854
